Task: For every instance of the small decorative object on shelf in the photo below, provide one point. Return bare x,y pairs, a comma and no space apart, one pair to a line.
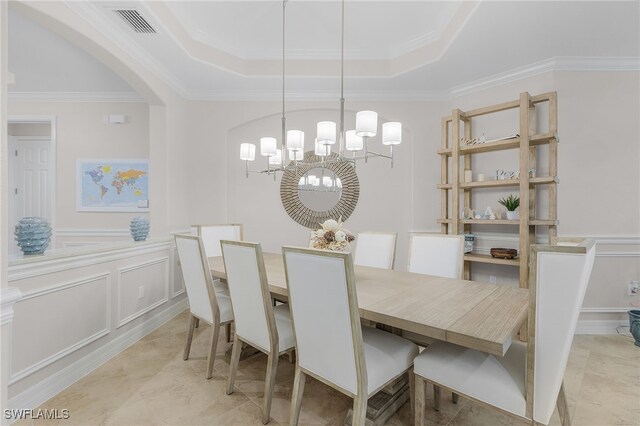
507,175
467,213
139,228
511,203
468,242
33,235
504,253
634,325
468,176
332,236
489,214
481,177
532,173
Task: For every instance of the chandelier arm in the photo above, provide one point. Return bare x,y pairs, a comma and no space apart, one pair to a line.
341,148
284,118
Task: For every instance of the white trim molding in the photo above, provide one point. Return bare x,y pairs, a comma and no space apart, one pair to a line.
8,297
27,371
74,97
52,385
137,314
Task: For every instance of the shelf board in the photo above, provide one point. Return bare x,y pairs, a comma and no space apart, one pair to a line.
445,186
509,182
533,222
501,145
486,258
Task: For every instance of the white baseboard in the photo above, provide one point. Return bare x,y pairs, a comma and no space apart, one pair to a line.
600,326
54,384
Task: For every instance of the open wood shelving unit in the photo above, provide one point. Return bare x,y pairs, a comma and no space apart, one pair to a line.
455,194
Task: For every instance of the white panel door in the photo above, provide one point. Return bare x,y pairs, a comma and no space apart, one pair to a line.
34,181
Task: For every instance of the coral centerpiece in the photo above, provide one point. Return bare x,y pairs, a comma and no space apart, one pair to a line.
332,236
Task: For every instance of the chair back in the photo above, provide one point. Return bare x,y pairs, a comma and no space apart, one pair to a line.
436,254
558,279
250,297
326,320
197,277
213,234
375,249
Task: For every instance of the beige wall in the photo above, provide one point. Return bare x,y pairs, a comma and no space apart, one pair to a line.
82,133
597,111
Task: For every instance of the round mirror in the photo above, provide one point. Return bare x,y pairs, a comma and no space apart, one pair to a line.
319,189
313,192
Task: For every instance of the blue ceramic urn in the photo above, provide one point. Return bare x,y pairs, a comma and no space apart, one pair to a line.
634,325
139,228
33,235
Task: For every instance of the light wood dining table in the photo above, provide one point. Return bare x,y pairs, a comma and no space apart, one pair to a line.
476,315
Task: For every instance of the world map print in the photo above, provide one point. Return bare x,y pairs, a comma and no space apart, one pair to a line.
113,185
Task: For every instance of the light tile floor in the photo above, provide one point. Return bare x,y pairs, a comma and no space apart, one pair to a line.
150,384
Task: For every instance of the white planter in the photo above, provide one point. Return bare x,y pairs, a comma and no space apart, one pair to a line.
513,215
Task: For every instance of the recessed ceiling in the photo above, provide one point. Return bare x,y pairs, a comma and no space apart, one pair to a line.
231,49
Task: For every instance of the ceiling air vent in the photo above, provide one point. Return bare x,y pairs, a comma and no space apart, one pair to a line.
135,20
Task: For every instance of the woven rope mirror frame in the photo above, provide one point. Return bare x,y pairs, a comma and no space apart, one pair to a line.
311,218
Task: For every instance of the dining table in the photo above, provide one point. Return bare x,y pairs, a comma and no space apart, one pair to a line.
477,315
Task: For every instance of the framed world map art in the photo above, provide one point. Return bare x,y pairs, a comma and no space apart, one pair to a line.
112,185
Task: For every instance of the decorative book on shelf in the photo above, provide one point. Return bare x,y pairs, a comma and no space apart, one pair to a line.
458,147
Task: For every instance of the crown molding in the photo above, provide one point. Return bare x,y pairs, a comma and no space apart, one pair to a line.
563,63
311,95
557,64
74,97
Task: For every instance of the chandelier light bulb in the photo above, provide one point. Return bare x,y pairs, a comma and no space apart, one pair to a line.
296,155
326,132
367,123
247,152
322,150
392,133
268,147
295,140
353,141
276,160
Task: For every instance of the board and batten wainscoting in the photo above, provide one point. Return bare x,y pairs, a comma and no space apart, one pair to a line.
79,307
606,303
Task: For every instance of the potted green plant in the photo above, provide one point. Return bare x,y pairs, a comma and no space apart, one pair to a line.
511,203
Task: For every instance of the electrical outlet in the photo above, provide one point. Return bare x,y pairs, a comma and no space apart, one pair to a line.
140,292
492,279
634,288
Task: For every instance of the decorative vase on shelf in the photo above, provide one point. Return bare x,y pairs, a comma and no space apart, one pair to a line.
139,228
33,235
513,215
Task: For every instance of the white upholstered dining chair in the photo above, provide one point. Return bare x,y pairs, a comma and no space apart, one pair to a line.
375,249
527,382
257,322
205,302
213,234
331,345
436,254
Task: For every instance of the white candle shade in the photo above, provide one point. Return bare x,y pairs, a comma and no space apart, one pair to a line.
353,141
322,150
296,155
392,133
247,152
276,160
366,123
268,147
295,140
326,132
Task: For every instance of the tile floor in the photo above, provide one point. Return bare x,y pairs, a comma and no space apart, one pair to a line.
149,383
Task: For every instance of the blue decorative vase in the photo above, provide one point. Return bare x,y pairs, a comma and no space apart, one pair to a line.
33,235
634,325
139,228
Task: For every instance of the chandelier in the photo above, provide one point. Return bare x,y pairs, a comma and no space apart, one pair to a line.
290,155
